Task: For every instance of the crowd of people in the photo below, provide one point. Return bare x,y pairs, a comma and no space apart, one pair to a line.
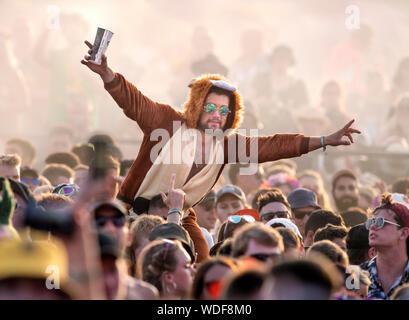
275,241
80,220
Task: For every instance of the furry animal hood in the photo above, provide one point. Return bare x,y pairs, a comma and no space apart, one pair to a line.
199,90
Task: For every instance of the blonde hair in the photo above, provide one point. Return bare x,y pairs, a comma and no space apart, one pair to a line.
141,227
258,232
144,224
10,160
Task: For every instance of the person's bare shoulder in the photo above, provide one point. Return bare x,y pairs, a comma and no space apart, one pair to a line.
140,290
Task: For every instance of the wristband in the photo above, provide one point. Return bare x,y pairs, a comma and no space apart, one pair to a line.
323,145
174,211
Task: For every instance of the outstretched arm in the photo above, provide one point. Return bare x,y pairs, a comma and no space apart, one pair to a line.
259,149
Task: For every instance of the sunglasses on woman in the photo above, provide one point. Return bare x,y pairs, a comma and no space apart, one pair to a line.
211,108
237,219
379,223
118,221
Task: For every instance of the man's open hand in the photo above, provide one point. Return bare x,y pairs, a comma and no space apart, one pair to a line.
335,139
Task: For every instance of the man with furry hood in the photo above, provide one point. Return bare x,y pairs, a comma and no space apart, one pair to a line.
213,103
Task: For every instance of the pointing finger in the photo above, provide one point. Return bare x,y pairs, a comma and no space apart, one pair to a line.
349,124
172,181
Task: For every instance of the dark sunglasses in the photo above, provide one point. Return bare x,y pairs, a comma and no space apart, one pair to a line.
379,223
271,215
300,214
118,221
211,108
264,257
36,182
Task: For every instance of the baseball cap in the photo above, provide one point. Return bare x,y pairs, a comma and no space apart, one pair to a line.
302,197
248,212
233,190
173,231
27,259
287,223
211,196
109,204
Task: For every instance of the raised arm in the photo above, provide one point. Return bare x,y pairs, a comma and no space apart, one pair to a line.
148,114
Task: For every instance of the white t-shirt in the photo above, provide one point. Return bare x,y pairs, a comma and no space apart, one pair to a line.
208,237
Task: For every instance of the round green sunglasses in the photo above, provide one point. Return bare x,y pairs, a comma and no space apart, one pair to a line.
211,108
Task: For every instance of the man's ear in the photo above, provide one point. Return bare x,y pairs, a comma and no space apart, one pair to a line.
404,233
310,236
371,253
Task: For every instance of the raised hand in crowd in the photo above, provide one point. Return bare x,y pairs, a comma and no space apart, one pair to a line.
102,69
334,139
174,200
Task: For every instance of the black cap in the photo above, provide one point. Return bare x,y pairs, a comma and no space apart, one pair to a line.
302,197
173,231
